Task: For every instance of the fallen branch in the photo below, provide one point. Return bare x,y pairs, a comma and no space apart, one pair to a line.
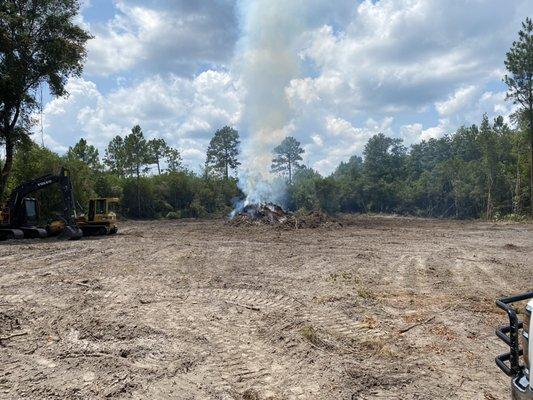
13,335
79,355
78,284
244,306
426,321
417,324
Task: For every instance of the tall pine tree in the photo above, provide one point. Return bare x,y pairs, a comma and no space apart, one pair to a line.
223,151
287,157
519,64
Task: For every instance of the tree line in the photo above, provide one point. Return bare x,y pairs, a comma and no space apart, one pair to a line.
478,171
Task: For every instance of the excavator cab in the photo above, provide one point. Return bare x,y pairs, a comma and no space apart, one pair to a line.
101,218
21,221
31,211
28,213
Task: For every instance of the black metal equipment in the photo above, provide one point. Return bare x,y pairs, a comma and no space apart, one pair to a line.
20,214
511,363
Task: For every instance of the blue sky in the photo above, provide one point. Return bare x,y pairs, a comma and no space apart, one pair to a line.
331,73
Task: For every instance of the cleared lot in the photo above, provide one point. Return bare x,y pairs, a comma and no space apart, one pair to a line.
201,310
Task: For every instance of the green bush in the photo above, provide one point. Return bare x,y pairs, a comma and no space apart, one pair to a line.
173,215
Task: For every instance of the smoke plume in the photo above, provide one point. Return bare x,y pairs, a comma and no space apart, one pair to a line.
267,61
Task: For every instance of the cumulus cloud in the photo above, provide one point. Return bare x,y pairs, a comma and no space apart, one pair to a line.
175,36
463,97
468,104
403,54
185,112
340,140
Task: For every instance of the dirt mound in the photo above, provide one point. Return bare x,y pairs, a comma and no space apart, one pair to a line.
316,219
273,215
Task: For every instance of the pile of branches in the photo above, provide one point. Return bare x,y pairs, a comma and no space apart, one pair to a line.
273,215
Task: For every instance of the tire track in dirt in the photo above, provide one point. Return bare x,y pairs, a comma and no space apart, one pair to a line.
242,359
239,360
335,322
411,274
396,278
467,273
249,297
328,318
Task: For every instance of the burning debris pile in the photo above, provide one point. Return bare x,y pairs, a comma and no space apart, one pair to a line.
263,213
273,215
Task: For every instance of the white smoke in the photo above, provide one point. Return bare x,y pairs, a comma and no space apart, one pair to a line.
267,61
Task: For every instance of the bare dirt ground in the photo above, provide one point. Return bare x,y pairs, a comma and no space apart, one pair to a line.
202,310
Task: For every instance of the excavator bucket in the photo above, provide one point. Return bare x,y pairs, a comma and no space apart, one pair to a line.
71,233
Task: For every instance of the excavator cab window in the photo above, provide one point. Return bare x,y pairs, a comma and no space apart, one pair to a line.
101,206
31,211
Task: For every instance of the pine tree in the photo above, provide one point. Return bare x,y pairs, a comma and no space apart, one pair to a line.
223,151
157,148
173,158
115,156
287,156
137,157
85,152
519,64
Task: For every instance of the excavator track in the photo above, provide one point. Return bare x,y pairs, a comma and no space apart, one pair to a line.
11,234
34,233
71,233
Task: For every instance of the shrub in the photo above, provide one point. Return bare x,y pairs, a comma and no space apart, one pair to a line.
173,215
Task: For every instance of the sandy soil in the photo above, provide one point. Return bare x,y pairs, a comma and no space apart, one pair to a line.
201,310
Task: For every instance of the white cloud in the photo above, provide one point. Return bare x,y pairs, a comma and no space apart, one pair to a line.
186,112
400,55
414,61
462,98
495,104
317,140
467,105
163,36
411,133
341,139
435,132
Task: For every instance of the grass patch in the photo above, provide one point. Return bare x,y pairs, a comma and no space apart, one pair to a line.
311,335
365,293
346,278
